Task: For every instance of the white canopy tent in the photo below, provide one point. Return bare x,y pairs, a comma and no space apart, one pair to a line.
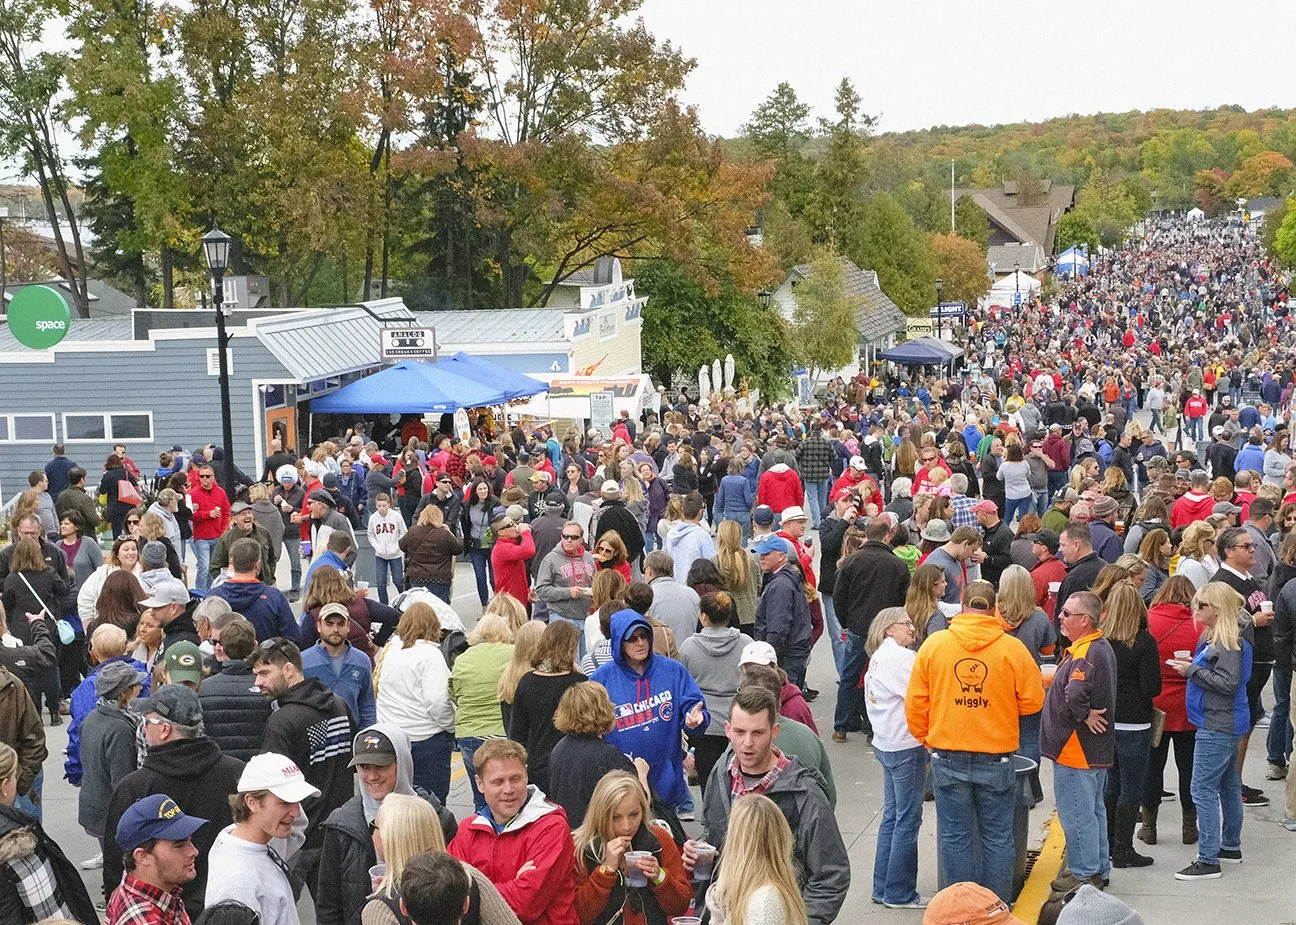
1005,290
1196,215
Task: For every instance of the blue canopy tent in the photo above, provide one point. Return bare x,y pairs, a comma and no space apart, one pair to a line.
1073,261
484,372
921,351
410,387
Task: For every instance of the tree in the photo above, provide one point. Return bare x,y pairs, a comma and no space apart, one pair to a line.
778,130
971,222
1107,206
823,321
684,327
785,236
1265,174
1285,239
835,205
1273,220
1074,228
961,266
1211,191
884,239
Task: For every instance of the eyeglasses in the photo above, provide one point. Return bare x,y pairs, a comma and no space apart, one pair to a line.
206,476
571,536
1243,546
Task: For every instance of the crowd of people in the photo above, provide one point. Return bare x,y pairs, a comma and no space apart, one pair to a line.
1077,545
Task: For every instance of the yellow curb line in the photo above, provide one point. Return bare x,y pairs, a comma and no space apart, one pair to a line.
457,770
1047,866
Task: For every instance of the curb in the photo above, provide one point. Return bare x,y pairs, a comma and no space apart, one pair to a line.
1047,866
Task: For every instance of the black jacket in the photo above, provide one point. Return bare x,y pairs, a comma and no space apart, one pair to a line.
1138,678
20,836
19,600
347,854
1079,577
997,544
195,774
181,628
235,712
614,515
451,506
576,765
870,580
313,727
832,530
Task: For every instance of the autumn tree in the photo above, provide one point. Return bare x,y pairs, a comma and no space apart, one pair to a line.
961,267
884,239
823,320
1265,174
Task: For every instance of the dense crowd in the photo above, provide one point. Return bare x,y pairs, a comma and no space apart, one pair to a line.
1077,543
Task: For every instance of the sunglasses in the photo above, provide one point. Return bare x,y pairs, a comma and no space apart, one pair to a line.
132,521
607,549
275,642
206,477
639,636
571,536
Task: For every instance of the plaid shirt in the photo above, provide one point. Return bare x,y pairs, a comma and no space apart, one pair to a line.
738,786
135,902
37,888
814,458
962,516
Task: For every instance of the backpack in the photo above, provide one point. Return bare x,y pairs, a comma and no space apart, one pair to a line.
452,644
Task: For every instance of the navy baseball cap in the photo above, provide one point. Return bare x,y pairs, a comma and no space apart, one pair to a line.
763,515
155,817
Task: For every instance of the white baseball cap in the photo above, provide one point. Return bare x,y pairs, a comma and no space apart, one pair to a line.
858,464
277,773
758,653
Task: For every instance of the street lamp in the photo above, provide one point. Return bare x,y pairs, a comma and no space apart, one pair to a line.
1017,282
939,324
764,297
216,248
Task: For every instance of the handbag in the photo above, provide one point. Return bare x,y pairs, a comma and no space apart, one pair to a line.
127,493
1158,725
65,631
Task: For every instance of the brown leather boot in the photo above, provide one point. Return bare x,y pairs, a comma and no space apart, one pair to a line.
1147,832
1190,826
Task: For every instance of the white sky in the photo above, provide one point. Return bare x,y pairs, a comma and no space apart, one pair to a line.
919,63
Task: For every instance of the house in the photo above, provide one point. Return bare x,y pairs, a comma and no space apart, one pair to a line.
105,301
877,319
1022,217
1005,258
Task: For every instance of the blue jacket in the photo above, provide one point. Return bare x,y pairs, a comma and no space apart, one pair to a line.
650,708
354,683
83,701
323,557
735,497
752,474
264,607
1250,457
1217,689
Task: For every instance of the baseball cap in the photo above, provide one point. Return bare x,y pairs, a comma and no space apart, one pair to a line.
1226,507
771,543
173,702
154,817
968,904
857,463
372,746
985,507
489,461
115,677
166,591
1217,431
758,653
1047,539
610,487
763,515
333,610
277,773
184,662
500,519
286,474
793,512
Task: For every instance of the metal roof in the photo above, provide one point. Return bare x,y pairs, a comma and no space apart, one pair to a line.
320,343
495,325
80,329
876,316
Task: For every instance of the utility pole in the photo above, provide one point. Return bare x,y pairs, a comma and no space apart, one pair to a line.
4,279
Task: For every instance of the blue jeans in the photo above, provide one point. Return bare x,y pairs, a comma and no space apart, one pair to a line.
834,629
1128,776
292,546
432,763
1080,808
1018,507
743,520
1279,741
794,662
817,497
202,552
1156,426
848,692
1056,482
467,748
1197,428
1028,733
24,803
651,541
1041,502
895,862
481,563
1216,791
975,796
395,568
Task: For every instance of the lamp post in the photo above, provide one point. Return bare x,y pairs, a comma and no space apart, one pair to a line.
764,297
216,247
1017,283
940,325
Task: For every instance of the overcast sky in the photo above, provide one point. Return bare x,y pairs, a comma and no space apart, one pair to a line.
919,63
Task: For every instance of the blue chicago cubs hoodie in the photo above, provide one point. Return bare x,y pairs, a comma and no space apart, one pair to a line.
650,708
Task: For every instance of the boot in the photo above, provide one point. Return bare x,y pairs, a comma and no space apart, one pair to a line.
1147,833
1122,841
1109,801
1190,826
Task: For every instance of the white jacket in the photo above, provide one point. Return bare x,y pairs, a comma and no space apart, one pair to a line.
414,689
250,876
885,685
385,534
88,596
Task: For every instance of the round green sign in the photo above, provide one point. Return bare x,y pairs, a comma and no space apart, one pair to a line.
38,317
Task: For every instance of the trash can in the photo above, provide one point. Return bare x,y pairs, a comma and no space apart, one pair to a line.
365,569
1022,799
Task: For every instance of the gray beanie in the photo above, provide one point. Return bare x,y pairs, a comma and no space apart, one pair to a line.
1091,906
115,677
153,554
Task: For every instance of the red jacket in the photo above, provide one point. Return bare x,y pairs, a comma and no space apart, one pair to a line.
509,560
205,501
1171,625
848,480
1045,573
779,489
1191,507
538,833
793,705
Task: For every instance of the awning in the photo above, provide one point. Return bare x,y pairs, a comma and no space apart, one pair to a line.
569,396
514,384
923,351
409,388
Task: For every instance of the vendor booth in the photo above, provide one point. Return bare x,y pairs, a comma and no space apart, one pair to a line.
922,351
1073,262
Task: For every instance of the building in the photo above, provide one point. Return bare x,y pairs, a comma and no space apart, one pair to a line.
105,301
1022,217
877,319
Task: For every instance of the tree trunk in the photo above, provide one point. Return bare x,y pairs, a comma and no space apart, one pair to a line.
168,277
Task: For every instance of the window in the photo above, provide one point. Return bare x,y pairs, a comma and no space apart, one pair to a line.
100,427
4,429
31,428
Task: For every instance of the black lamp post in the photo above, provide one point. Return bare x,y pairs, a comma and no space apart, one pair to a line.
216,248
764,297
1017,282
940,324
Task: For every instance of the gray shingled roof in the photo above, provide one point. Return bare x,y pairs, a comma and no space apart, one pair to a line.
502,325
1003,256
877,316
80,329
1028,224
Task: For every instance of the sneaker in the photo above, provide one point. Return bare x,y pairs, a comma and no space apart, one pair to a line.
1253,797
1263,722
1198,870
1167,796
686,815
1289,824
1230,855
809,694
94,863
294,595
839,737
1275,771
919,903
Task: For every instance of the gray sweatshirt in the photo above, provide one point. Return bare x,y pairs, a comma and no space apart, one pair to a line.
558,574
711,657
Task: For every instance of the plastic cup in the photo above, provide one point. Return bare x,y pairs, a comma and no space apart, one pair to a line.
1183,655
1047,672
376,874
705,864
362,586
686,920
635,876
1266,606
1055,587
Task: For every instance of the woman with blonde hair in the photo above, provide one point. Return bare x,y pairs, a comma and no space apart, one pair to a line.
430,549
412,681
553,670
406,827
508,607
1108,577
1026,621
581,757
651,889
1217,705
923,602
1136,565
474,689
739,571
1197,560
1138,681
756,884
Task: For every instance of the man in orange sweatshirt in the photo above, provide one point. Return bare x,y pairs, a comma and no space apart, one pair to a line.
970,684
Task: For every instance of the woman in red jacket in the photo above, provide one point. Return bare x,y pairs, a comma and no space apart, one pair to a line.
513,549
1171,624
610,553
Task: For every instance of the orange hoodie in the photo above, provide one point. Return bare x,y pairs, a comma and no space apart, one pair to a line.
969,685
